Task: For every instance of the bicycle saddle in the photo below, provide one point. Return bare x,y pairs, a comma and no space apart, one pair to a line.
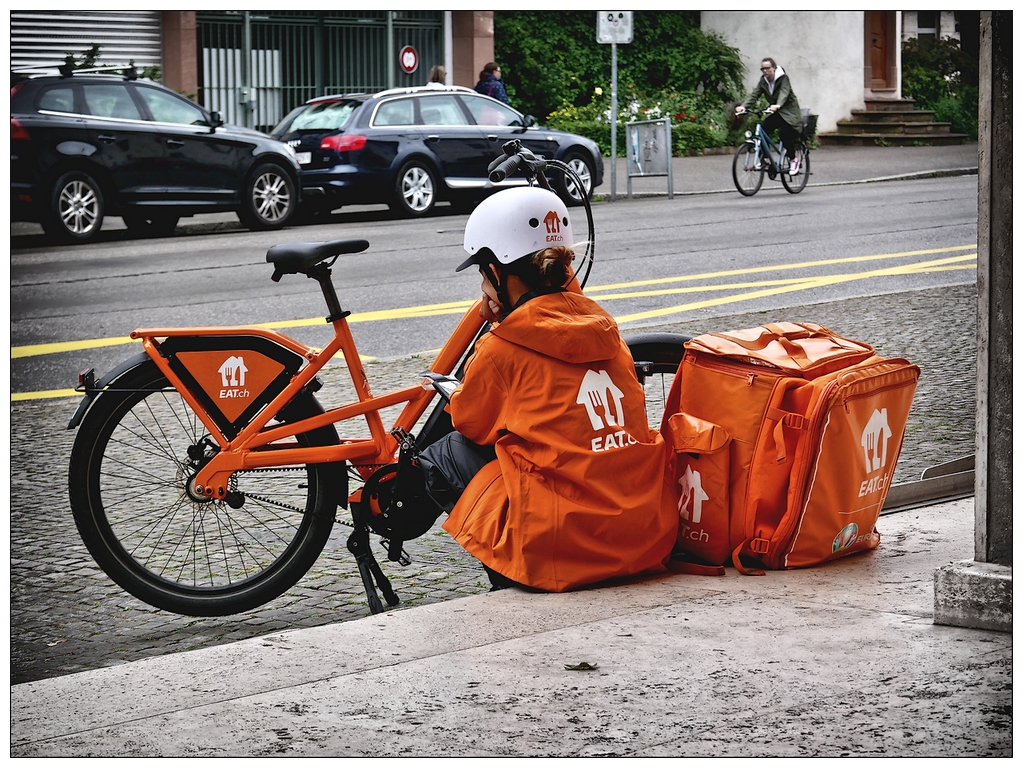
299,258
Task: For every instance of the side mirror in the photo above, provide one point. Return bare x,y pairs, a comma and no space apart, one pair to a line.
215,120
529,121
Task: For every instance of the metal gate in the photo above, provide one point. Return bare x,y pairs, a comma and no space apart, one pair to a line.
294,56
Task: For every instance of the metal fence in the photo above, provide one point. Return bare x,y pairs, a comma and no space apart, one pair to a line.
256,67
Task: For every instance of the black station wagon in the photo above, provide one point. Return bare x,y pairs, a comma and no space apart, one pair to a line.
86,145
412,147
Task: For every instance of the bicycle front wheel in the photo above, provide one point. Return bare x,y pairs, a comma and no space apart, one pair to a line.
746,171
129,479
795,184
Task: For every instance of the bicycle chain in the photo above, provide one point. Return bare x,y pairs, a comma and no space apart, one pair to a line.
290,508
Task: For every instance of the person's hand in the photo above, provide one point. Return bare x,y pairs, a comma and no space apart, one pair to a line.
490,310
774,107
740,110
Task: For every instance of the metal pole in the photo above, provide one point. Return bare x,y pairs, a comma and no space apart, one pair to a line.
667,133
246,94
614,118
449,61
390,49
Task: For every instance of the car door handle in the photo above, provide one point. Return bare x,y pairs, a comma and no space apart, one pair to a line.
433,137
106,138
175,143
492,136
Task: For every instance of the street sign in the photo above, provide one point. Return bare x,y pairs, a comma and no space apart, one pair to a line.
409,60
614,27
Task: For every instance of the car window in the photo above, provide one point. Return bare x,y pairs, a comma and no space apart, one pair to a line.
60,99
490,112
167,108
110,100
325,116
441,110
396,112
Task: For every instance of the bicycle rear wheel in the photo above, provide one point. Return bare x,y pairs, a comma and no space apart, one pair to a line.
795,184
129,479
746,171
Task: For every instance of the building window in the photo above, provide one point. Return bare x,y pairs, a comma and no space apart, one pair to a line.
927,25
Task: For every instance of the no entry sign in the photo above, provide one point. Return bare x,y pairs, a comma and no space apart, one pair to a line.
409,60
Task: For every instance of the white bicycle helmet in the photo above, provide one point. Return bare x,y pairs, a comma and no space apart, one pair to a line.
514,223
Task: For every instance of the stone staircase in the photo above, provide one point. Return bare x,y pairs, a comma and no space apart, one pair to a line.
891,122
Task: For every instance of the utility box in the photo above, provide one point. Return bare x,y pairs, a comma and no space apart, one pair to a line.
649,152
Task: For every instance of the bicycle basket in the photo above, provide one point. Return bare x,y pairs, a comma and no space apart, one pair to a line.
809,126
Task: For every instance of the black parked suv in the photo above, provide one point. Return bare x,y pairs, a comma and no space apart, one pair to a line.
410,147
87,145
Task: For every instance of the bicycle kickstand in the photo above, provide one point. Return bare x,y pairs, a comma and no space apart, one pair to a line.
369,569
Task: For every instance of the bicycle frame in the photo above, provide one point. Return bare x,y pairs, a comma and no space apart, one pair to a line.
257,446
762,141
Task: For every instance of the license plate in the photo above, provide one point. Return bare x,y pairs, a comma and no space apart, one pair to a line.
304,158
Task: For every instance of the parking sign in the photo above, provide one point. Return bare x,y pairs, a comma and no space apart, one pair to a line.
614,27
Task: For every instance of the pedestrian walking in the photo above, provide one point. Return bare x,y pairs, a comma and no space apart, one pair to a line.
490,83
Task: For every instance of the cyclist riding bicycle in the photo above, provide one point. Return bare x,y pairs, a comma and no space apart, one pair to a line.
786,116
576,491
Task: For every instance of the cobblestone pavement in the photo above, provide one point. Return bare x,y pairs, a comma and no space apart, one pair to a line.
67,616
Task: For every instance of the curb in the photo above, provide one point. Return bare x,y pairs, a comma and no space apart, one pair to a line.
900,177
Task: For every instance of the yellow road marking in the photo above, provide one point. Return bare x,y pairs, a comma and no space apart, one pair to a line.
761,288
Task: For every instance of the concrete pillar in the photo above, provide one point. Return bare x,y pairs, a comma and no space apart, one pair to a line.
472,42
978,593
180,68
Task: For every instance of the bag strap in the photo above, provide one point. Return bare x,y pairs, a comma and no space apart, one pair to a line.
678,565
738,563
794,351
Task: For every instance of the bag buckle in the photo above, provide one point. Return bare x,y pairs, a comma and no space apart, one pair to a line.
760,546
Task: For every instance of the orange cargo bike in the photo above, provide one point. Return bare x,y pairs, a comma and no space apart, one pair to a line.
206,477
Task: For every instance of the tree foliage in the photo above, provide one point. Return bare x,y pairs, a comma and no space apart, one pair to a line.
938,75
551,58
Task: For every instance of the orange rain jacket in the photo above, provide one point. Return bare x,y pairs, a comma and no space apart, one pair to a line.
578,492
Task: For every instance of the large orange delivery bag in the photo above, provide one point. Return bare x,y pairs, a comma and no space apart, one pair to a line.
785,439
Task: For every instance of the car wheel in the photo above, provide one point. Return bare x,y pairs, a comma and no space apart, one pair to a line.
269,198
566,185
150,225
415,190
76,208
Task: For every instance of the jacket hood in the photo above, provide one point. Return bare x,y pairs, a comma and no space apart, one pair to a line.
566,326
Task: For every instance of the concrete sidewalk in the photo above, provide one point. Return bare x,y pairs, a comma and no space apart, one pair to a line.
831,661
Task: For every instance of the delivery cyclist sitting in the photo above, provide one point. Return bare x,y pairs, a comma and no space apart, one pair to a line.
577,493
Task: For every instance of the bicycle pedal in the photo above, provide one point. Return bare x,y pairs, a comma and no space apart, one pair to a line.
402,559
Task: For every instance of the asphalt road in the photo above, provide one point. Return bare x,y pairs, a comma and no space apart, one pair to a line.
658,260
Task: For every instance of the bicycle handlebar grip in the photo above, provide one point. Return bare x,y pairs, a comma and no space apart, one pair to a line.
505,168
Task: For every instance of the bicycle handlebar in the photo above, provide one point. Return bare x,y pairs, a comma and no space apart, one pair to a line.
501,169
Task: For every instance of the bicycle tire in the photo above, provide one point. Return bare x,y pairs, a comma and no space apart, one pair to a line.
657,357
127,480
746,173
796,184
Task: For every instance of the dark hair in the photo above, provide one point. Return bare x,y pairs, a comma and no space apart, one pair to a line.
768,58
488,70
550,267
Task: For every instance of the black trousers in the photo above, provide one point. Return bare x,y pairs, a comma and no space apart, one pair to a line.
789,135
448,467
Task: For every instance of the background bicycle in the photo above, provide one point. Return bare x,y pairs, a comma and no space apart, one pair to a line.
759,156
